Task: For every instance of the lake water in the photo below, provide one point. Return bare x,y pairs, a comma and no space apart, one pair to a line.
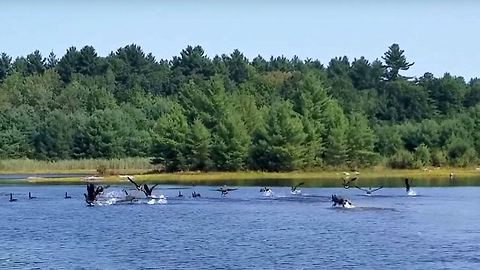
437,229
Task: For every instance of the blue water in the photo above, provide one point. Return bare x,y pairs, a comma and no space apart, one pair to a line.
438,229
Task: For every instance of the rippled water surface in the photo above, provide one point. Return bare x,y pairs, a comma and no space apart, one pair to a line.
437,229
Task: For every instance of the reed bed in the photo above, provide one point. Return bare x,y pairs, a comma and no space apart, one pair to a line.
221,177
108,166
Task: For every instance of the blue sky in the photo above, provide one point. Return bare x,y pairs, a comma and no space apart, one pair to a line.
439,36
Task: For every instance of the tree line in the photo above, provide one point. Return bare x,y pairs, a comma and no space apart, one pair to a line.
230,113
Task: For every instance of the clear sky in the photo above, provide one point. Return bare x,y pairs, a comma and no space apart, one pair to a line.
439,36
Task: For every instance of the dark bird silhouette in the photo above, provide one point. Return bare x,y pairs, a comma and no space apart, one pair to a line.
92,193
11,198
407,185
128,197
224,190
195,194
295,187
66,196
369,191
347,182
337,200
144,188
180,194
30,196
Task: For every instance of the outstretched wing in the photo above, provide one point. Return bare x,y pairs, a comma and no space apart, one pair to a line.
373,190
363,189
133,182
231,189
299,184
151,189
347,181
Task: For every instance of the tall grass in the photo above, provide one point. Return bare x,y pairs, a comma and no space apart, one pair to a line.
81,165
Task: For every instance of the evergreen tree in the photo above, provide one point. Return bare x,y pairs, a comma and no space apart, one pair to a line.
35,63
169,140
230,142
279,145
361,141
198,147
5,66
51,61
395,61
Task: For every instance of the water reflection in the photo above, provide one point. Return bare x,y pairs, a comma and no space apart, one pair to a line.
337,182
279,182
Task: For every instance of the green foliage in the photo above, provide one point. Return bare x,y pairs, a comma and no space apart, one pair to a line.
403,159
169,139
460,153
230,142
439,158
401,100
448,93
422,155
395,61
52,138
279,145
389,140
334,135
198,146
361,141
5,66
194,112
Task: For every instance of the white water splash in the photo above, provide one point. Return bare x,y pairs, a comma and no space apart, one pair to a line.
296,192
411,192
268,193
157,200
349,205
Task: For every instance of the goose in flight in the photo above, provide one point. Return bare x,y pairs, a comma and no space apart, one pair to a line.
92,193
369,190
143,188
347,182
224,190
294,189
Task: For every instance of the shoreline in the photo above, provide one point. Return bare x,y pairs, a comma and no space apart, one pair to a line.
220,177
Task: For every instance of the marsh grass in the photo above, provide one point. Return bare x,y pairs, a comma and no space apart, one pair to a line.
318,178
111,166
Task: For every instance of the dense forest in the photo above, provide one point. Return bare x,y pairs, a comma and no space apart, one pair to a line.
231,113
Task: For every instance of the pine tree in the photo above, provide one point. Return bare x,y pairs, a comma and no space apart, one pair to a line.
395,61
169,140
280,144
198,145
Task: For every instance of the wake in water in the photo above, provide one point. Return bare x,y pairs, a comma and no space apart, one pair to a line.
296,192
123,197
157,199
266,192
